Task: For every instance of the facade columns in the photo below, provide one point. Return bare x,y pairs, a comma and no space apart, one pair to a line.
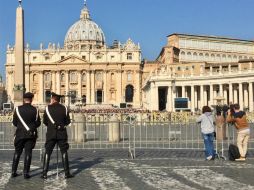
221,90
92,88
241,95
53,81
58,83
154,97
137,91
67,81
88,87
192,98
79,84
105,91
251,96
41,87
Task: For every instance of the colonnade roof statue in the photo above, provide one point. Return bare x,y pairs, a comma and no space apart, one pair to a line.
84,31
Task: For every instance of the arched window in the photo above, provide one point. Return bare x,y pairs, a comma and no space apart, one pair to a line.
112,77
201,56
206,56
212,57
224,58
62,77
129,93
182,55
84,77
189,56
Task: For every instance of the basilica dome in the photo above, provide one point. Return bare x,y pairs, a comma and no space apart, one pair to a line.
84,31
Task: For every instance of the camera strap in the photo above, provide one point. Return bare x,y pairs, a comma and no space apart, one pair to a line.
21,119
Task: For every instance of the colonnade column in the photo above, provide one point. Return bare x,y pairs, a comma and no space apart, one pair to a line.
201,96
183,91
225,95
245,95
211,94
192,98
250,96
235,94
221,90
205,96
154,97
230,91
241,95
169,99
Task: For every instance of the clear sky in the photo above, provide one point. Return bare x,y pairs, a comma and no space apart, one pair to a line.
145,21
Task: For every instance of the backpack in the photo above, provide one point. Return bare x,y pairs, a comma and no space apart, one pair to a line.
233,152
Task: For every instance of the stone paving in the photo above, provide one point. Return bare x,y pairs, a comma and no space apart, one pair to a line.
152,169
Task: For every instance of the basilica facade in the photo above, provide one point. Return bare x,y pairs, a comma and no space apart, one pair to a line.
86,70
199,69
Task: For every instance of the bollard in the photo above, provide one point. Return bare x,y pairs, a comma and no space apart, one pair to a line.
79,127
114,130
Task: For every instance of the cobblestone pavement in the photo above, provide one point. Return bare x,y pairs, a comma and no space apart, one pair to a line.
112,170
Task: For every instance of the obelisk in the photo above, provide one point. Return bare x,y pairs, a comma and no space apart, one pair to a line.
19,76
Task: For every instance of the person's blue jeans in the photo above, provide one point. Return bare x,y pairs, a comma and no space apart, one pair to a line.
208,141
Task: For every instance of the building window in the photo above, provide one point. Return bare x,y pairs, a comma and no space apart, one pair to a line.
47,77
84,77
73,77
47,58
179,68
62,77
34,58
62,57
129,93
112,57
84,57
129,56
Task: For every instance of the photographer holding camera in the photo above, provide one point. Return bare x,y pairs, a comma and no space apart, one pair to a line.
238,117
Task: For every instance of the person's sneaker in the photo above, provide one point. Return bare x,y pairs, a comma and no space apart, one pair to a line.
240,159
209,158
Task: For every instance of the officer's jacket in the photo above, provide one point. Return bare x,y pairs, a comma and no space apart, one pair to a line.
30,116
61,117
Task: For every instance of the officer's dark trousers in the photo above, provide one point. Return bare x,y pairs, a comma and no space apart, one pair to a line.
49,146
62,143
28,145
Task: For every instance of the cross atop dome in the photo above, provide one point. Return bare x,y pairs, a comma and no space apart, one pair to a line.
85,12
20,1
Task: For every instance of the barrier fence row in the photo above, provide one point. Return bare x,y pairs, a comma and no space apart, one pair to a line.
130,135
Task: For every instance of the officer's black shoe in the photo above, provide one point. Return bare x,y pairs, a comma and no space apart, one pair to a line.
26,176
14,175
15,164
66,165
45,166
27,163
68,176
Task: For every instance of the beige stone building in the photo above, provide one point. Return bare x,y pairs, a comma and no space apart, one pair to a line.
201,69
86,68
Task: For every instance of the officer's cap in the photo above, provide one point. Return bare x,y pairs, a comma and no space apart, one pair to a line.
56,95
28,95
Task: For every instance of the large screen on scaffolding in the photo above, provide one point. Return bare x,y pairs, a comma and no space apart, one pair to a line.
181,103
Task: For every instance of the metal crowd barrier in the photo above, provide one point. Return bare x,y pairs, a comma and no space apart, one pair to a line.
129,134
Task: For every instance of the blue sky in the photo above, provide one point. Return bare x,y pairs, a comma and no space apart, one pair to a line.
145,21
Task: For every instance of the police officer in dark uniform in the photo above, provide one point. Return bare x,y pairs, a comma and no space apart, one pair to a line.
56,117
27,119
